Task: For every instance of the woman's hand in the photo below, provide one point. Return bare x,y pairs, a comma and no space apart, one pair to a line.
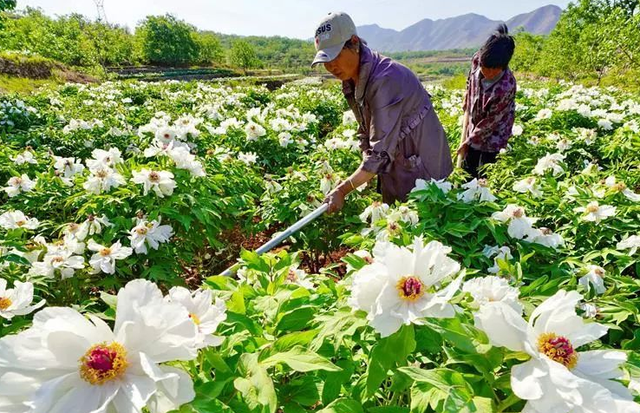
335,200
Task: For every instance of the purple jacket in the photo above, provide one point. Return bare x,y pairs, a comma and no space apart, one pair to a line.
492,109
400,134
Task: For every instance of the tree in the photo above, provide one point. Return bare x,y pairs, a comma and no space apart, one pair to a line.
209,48
165,40
243,55
528,52
7,5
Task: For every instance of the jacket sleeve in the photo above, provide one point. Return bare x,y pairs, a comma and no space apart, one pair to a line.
496,112
385,104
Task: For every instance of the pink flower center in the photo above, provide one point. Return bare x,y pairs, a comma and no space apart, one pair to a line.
154,177
103,363
558,349
410,288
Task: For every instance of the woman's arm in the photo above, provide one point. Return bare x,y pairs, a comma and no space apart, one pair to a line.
336,198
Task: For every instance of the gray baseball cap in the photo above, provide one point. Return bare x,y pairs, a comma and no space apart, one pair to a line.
331,35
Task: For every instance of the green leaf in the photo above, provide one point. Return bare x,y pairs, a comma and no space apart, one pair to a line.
297,319
109,299
298,338
457,392
256,385
301,360
333,381
343,406
388,409
386,354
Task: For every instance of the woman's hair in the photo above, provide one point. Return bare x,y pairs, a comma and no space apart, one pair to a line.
498,50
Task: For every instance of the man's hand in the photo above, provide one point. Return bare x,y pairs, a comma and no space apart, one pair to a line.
335,200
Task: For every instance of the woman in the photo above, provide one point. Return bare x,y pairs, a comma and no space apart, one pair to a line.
400,135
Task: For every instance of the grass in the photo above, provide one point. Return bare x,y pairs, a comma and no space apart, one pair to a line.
13,84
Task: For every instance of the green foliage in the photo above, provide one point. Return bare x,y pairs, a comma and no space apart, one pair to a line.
72,40
209,48
165,40
243,55
528,52
593,41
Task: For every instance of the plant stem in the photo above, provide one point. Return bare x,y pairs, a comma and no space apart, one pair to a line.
510,401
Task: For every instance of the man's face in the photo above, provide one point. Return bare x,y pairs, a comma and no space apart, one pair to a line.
490,74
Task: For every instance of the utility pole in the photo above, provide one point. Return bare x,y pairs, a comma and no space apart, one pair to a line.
102,15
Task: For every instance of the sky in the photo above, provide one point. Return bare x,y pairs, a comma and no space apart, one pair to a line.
289,18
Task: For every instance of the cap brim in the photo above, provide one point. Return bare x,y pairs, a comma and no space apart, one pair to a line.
327,55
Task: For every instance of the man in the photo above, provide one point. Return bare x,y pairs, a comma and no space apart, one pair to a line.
489,104
400,135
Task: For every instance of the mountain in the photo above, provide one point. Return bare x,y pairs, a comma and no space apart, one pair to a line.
469,30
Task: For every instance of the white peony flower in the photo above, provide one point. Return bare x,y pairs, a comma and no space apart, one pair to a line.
594,212
151,233
248,158
17,219
105,258
550,162
442,184
543,114
184,159
476,190
67,168
595,276
19,184
104,159
348,118
544,236
497,253
520,226
254,131
557,377
528,185
631,243
102,179
271,186
404,214
605,124
205,315
285,139
67,362
59,258
517,130
24,157
16,301
91,226
299,277
403,286
375,212
621,187
160,182
493,289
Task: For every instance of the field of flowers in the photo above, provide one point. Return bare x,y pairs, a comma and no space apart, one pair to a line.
122,203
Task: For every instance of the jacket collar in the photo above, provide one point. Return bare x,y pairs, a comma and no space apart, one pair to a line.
367,59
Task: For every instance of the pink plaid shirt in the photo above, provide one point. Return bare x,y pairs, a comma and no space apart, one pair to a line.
491,109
